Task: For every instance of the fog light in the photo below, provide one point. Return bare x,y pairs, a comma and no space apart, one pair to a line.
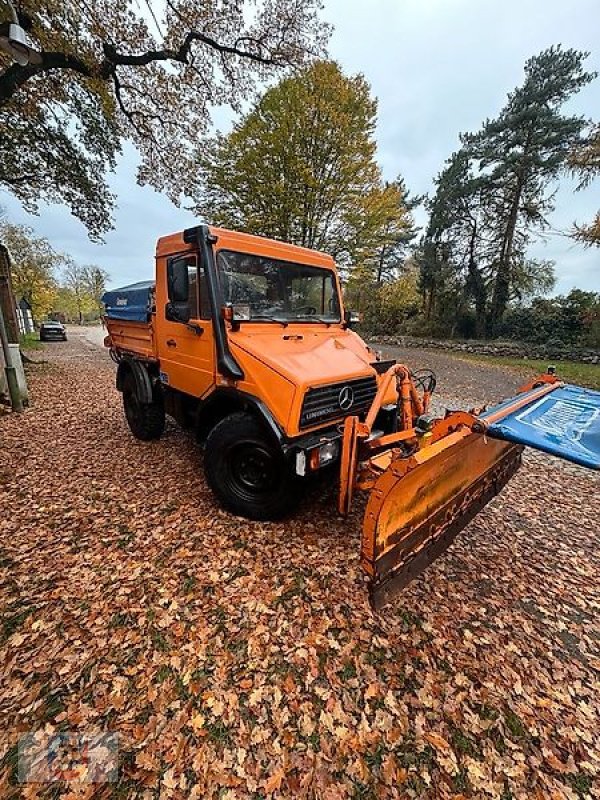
328,452
324,454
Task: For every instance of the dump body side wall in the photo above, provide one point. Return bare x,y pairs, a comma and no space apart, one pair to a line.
134,338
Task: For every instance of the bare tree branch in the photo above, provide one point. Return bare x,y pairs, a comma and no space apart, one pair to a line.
16,76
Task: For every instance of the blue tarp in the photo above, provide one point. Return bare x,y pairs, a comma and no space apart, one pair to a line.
565,423
132,303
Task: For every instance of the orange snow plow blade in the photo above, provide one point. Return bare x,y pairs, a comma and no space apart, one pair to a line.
428,477
417,505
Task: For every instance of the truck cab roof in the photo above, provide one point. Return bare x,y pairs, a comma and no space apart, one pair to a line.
248,243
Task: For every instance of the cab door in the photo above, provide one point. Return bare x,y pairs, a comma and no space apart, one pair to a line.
186,344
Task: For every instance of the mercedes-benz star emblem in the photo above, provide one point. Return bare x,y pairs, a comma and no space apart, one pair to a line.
346,398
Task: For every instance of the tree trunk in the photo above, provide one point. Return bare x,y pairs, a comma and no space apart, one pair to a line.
477,287
501,293
430,301
381,265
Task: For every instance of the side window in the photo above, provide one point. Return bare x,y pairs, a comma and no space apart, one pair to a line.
203,291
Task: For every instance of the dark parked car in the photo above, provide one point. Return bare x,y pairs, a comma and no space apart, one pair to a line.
52,330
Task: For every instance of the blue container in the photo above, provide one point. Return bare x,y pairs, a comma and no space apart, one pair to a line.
132,303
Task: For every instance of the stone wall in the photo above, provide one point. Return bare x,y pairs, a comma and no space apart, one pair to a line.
496,348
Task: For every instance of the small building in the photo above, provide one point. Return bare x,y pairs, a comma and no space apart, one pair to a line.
24,316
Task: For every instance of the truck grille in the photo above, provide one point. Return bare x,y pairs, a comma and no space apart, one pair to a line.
325,403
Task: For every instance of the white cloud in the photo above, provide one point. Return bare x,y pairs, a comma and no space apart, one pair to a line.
440,67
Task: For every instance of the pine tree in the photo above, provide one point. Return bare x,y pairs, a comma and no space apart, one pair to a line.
459,217
521,152
585,160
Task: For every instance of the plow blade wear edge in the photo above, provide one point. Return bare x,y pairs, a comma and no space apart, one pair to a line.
419,504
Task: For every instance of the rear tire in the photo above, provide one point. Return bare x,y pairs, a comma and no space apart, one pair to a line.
247,471
146,420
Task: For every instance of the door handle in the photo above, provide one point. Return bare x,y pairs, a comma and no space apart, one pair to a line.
195,328
171,343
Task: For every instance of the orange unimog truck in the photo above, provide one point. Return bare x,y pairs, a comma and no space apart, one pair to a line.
246,342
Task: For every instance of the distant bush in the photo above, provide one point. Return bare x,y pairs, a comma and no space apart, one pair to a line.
386,308
559,322
570,320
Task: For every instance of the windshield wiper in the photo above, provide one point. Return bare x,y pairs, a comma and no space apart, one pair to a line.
284,322
313,318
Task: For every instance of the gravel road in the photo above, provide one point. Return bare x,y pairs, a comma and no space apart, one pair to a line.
461,384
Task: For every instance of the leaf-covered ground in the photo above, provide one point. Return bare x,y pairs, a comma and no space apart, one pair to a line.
241,660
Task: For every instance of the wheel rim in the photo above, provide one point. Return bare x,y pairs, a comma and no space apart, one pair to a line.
252,470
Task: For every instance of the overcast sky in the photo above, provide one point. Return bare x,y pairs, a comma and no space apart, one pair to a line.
438,67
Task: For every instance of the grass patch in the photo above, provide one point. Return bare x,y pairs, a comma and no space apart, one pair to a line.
498,741
362,791
569,371
409,756
460,783
121,620
30,341
374,759
463,744
487,712
580,783
515,726
218,732
159,641
12,621
164,672
10,762
348,671
53,705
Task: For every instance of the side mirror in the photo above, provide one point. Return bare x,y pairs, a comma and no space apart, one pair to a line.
177,312
234,314
352,318
178,281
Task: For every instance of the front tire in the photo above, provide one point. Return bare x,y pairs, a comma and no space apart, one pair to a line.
146,420
247,472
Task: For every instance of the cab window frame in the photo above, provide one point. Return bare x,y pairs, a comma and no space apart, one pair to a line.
198,305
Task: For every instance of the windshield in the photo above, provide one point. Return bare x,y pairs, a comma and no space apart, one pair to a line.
269,289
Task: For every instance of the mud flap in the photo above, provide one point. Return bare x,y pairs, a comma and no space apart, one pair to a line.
419,505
